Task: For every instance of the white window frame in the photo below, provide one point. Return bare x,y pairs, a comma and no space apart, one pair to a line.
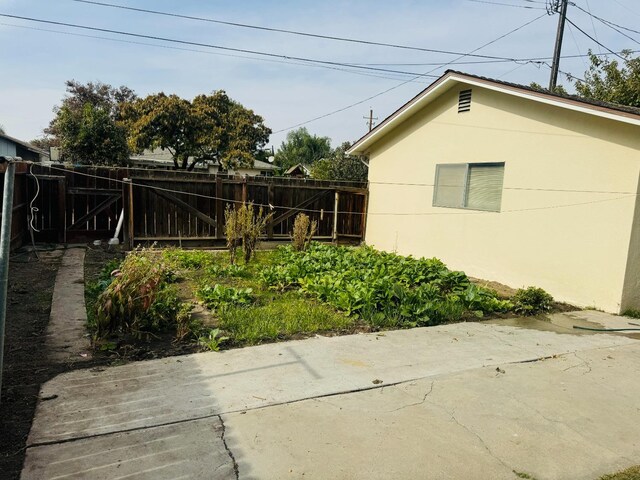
465,193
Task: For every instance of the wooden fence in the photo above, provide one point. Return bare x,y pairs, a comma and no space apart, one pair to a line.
81,204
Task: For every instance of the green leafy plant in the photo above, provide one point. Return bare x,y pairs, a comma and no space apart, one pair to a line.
303,231
219,296
531,301
139,299
383,288
212,340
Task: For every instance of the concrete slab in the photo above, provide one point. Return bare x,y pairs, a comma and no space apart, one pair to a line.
565,322
101,401
186,450
570,417
66,333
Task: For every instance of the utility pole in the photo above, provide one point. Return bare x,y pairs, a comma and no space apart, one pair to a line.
5,242
370,119
557,6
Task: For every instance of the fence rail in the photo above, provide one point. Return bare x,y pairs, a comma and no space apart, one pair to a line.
78,204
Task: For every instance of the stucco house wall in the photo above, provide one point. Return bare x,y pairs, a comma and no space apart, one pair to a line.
569,215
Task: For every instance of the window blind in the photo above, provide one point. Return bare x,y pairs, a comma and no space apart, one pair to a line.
485,187
450,185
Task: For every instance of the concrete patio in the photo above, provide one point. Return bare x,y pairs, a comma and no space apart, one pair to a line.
453,401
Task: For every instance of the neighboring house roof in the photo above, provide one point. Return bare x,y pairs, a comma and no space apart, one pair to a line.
162,157
593,107
299,166
26,145
260,165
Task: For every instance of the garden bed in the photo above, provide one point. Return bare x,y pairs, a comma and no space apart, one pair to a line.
172,301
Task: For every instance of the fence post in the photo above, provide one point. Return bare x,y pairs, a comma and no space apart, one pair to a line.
335,216
244,190
62,210
219,208
271,201
365,212
127,204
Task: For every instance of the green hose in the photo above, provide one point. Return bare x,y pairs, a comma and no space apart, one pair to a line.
605,329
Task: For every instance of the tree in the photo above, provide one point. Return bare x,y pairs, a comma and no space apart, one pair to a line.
45,142
211,127
90,136
87,124
302,147
340,166
608,81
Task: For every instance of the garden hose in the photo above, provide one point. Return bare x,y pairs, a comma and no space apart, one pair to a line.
605,329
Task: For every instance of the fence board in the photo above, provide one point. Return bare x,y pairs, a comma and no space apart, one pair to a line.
192,210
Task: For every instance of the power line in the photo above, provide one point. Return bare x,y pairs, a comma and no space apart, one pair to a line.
289,207
530,60
184,49
611,25
506,4
206,45
280,30
593,39
405,82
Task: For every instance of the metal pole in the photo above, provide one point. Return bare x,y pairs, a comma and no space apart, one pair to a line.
558,48
5,243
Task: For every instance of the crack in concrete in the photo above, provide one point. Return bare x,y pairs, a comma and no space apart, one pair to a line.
424,399
226,447
480,439
584,363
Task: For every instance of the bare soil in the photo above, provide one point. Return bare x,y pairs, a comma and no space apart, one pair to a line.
26,366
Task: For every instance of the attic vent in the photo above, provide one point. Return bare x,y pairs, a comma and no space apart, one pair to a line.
464,101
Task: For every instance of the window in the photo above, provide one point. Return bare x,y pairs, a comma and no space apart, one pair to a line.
476,186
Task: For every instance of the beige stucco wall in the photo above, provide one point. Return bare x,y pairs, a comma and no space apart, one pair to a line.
576,245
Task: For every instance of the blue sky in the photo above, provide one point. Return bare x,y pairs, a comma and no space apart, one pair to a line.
36,63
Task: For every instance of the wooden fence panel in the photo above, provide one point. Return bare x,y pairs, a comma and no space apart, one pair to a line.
84,203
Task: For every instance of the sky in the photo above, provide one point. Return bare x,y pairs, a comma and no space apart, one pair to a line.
35,63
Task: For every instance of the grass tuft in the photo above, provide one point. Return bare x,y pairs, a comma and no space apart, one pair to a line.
287,315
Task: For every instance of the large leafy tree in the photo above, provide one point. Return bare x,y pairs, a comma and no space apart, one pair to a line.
87,124
302,147
612,80
340,166
90,136
210,127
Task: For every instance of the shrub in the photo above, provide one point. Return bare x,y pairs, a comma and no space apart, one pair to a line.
244,225
139,299
531,301
303,231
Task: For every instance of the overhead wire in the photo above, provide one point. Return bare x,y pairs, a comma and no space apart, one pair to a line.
200,44
611,25
594,40
281,30
506,4
289,207
271,60
360,102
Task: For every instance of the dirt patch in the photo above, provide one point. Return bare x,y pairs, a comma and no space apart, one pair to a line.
26,367
506,292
